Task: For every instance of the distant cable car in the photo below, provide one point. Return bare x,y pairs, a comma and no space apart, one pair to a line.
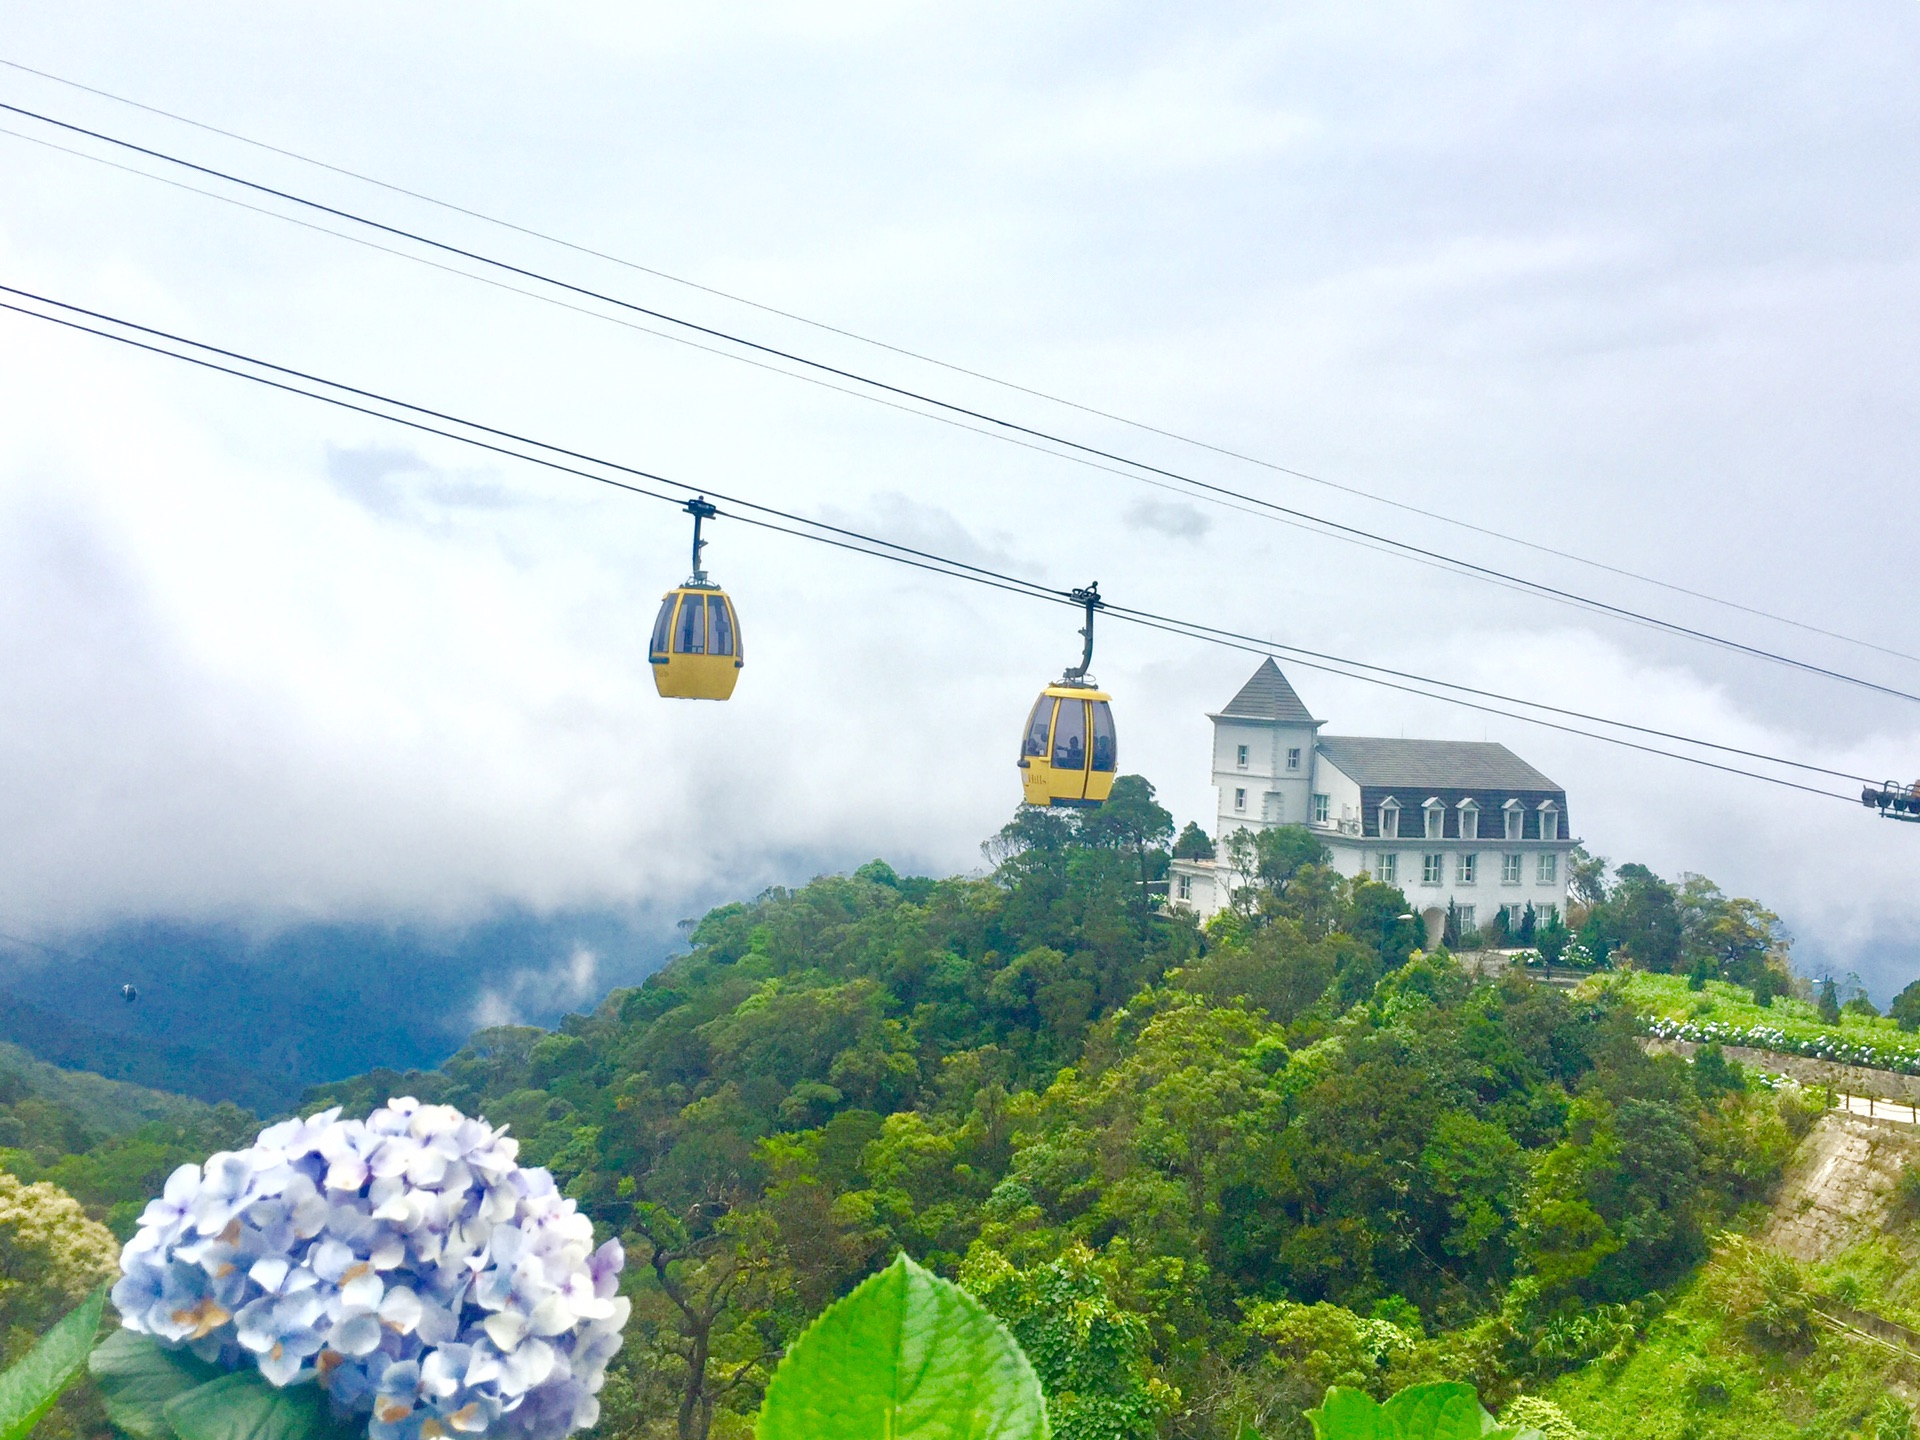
1893,800
695,652
1068,754
129,994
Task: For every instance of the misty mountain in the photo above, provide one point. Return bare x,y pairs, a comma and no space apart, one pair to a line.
224,1014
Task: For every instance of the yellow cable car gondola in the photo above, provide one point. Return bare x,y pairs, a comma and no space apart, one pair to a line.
1069,754
695,651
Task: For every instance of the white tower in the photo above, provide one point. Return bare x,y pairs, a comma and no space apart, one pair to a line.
1263,746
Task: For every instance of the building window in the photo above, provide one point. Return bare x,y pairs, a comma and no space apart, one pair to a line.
1436,820
1293,758
1516,820
1509,869
1548,914
1322,809
1464,870
1386,868
1469,820
1432,869
1185,886
1549,821
1389,821
1240,757
1465,916
1549,869
1240,799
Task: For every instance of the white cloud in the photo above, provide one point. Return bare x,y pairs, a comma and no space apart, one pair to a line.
569,983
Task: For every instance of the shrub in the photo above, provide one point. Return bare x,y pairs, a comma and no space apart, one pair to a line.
1530,1412
1905,1209
1890,1419
1767,1299
51,1256
1704,1385
1090,1354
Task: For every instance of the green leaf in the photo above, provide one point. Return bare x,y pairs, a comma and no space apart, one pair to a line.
906,1356
28,1389
246,1406
137,1376
1447,1411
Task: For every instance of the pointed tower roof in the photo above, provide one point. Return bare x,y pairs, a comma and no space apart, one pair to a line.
1267,696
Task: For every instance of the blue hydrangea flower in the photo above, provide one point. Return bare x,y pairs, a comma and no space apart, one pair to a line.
406,1262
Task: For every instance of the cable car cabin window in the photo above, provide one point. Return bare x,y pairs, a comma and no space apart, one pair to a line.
663,627
690,635
1038,724
720,619
1070,736
1104,752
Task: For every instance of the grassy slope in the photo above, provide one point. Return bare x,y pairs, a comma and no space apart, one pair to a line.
1671,1388
1667,997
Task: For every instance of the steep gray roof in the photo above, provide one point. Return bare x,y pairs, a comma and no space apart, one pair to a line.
1432,764
1267,696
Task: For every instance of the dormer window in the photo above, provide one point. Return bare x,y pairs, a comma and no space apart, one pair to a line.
1516,817
1549,820
1389,819
1436,809
1469,820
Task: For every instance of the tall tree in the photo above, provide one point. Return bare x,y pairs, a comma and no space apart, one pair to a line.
1587,877
1643,918
709,1274
1131,820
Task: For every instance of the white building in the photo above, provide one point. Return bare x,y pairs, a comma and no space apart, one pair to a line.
1444,820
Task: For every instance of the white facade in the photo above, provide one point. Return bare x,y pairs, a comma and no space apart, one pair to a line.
1465,823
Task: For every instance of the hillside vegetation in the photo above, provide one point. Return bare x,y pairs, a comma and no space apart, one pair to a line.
108,1145
1201,1176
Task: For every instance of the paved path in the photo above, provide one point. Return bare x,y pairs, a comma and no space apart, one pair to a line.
1877,1109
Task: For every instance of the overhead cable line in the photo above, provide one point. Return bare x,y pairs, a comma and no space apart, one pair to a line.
845,538
1010,426
1258,643
1262,643
1433,562
924,358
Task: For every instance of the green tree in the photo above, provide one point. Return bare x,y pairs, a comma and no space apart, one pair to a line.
1271,860
1091,1355
1726,935
1193,844
712,1279
51,1258
1587,877
1304,1350
1642,916
1131,820
1905,1009
1829,1002
1277,969
1552,939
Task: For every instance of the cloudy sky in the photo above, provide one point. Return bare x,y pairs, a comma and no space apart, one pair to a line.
1637,282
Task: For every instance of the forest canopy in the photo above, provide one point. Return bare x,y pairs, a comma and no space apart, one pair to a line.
1202,1175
